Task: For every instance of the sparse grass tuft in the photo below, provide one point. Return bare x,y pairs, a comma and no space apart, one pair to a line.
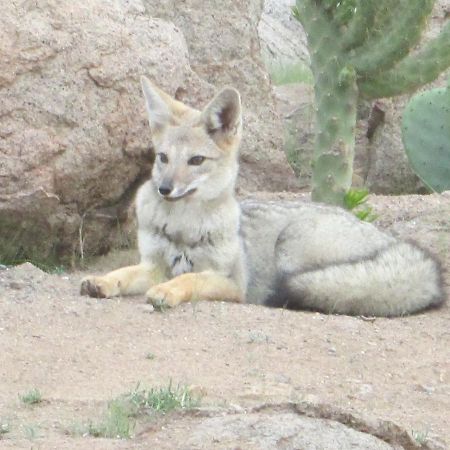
160,306
257,336
354,201
123,412
4,428
118,423
31,431
45,265
162,400
420,437
32,397
290,73
150,356
355,197
14,251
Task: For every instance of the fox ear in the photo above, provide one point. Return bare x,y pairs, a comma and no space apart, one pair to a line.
157,109
222,118
162,109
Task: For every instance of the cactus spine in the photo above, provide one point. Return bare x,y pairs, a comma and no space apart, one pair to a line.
360,48
426,136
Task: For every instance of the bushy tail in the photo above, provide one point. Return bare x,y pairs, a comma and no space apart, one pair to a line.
400,279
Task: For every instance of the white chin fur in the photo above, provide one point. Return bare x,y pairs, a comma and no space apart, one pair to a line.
178,195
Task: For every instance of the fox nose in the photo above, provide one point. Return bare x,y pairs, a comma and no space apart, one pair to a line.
165,190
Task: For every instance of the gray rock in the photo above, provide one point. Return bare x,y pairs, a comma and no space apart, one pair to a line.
74,138
260,430
389,171
281,431
295,104
283,40
72,121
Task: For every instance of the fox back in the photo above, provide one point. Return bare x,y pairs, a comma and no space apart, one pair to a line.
297,255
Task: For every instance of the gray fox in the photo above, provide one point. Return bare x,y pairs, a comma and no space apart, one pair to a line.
197,242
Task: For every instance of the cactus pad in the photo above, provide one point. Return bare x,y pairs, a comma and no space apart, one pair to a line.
426,137
363,48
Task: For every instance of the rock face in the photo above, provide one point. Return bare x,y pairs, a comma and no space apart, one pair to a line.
283,40
72,124
74,142
282,431
388,170
295,104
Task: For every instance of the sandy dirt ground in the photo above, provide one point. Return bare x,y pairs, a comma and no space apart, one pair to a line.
387,377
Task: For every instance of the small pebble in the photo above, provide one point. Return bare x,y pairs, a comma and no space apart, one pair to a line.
147,308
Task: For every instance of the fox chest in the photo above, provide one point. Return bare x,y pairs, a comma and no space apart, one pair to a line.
181,253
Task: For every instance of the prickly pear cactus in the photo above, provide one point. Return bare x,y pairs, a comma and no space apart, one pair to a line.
426,137
361,49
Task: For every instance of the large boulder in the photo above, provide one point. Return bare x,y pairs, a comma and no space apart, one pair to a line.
283,40
74,142
73,133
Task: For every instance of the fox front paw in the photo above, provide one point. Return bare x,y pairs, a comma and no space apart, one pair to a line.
99,287
165,295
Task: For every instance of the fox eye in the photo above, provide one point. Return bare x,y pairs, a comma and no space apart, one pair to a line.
163,158
196,160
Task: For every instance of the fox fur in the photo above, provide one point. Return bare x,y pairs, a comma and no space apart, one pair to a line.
196,242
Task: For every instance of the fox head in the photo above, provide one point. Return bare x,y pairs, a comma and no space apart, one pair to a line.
196,151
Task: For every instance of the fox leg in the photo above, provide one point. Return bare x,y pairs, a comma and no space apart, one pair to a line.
188,287
131,280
